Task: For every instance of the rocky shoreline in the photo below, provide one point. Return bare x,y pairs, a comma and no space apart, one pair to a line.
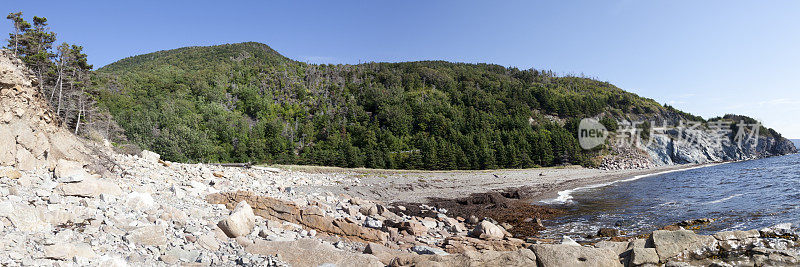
162,213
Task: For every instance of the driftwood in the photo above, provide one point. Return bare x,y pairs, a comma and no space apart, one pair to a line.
240,165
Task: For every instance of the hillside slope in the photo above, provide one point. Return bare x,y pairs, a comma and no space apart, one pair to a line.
30,135
246,102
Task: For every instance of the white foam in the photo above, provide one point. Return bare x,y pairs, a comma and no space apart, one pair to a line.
724,199
565,196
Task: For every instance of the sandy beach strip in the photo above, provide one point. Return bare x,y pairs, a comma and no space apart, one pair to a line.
419,186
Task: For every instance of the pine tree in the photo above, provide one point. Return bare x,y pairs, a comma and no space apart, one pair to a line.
20,26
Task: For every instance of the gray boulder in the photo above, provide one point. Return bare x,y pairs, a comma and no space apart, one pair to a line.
66,251
682,245
67,171
642,256
774,257
241,221
426,250
89,187
153,235
487,230
737,240
566,255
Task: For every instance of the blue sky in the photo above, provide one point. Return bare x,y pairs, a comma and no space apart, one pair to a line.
704,57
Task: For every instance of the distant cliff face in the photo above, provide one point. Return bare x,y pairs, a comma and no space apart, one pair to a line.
705,147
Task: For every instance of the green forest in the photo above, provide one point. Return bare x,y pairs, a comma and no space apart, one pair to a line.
247,103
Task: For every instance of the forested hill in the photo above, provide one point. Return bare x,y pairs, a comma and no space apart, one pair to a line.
246,102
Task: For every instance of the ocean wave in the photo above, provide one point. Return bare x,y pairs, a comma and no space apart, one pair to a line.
724,199
565,196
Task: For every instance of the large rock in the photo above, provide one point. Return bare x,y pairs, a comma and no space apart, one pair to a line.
522,257
426,250
642,256
64,145
153,235
778,230
67,251
24,217
682,245
384,254
140,201
68,171
311,217
414,228
737,240
90,187
26,161
312,252
574,256
774,257
241,221
461,244
35,142
150,156
487,230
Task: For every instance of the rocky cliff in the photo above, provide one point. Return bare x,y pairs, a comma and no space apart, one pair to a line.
30,136
668,142
700,146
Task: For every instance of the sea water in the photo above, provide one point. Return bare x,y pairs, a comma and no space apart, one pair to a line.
738,196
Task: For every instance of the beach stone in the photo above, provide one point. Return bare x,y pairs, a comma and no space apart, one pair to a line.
241,221
487,230
150,156
181,255
414,228
682,244
429,223
66,251
641,256
153,235
369,210
426,250
566,255
89,187
140,201
208,241
11,173
24,217
68,171
373,223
